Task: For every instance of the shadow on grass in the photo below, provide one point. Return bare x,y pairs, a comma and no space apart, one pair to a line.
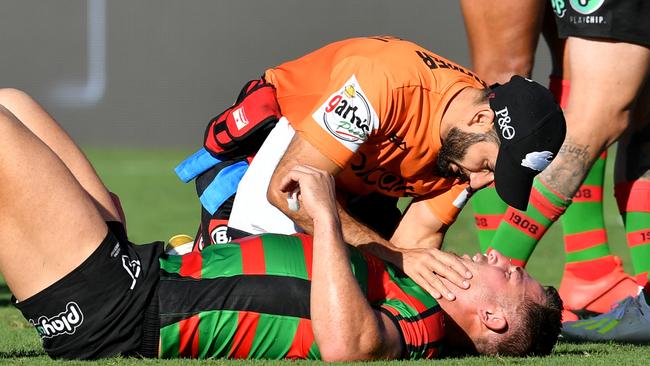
21,353
580,351
587,345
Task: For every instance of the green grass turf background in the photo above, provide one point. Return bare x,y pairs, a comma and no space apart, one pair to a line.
158,206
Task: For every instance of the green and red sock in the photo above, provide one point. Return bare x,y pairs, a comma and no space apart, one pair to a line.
488,212
585,237
633,200
520,231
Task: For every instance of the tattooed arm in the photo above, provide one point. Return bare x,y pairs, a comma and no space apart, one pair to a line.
567,171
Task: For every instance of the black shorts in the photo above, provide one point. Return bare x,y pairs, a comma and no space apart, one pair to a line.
619,20
107,306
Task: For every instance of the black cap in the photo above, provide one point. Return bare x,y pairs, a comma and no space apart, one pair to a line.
531,127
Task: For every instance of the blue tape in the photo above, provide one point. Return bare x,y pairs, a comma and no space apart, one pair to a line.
223,186
195,164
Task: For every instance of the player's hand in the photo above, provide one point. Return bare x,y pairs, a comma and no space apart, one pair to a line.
316,193
426,266
478,180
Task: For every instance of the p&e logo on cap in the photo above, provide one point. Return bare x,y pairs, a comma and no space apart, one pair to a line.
503,121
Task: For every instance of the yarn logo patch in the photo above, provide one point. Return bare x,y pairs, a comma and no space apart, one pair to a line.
348,115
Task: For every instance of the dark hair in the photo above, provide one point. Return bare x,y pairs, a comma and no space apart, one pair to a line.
454,147
536,332
483,96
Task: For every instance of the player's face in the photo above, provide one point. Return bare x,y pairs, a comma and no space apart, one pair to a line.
494,274
477,166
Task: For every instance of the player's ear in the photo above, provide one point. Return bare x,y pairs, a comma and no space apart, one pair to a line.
493,318
483,116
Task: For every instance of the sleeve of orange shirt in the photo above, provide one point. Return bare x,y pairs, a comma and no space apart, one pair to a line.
351,110
446,205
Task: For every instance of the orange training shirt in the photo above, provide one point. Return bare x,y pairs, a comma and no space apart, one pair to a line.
373,106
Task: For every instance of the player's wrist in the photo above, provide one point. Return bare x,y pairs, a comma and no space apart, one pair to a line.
327,222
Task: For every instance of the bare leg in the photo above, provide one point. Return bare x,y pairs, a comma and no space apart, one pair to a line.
503,36
36,119
605,80
49,223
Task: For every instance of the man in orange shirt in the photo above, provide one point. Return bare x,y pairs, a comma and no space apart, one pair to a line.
390,118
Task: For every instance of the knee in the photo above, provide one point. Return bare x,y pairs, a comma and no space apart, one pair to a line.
603,128
621,122
10,96
521,64
616,124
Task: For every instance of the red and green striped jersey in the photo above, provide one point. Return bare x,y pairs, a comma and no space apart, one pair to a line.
251,300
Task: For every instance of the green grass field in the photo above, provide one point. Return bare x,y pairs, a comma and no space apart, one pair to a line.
158,205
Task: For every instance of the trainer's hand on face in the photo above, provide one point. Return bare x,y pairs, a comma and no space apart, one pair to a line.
426,265
317,195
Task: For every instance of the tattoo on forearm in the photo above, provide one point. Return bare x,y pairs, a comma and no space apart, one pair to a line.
566,173
575,151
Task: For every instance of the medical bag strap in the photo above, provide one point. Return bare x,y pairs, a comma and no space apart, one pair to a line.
240,130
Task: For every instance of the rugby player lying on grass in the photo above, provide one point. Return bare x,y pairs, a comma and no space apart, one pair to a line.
90,293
